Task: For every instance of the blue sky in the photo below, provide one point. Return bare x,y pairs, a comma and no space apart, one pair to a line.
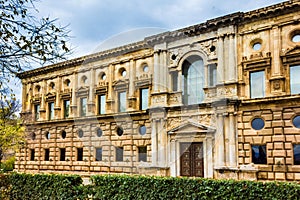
94,21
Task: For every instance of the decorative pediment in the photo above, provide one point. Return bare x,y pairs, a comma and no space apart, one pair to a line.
190,126
257,61
120,84
50,96
291,56
82,91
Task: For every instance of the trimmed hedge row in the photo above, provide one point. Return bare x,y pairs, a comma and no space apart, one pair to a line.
27,186
142,187
42,186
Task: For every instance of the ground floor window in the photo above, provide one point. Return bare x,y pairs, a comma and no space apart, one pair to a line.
62,154
142,154
119,154
98,154
297,154
259,155
79,154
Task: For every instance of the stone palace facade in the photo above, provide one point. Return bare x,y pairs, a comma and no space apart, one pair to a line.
220,99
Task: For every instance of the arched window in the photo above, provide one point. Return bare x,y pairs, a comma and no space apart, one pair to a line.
193,80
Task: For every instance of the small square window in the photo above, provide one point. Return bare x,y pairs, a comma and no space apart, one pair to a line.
259,155
47,154
119,154
297,154
142,154
79,154
62,154
98,154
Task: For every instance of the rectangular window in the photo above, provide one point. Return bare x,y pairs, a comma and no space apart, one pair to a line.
37,112
98,154
62,154
259,154
66,108
51,110
83,106
142,154
122,101
297,154
101,104
212,70
79,154
119,153
144,98
47,155
257,84
295,79
174,76
32,152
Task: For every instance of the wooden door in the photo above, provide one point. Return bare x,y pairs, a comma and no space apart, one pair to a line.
191,159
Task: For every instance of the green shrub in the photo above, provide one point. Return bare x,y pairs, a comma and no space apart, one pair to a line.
8,165
43,186
142,187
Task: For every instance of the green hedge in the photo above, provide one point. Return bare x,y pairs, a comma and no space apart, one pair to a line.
42,186
28,186
142,187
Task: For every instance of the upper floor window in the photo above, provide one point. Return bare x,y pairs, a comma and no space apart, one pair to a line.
101,103
257,84
122,101
144,98
295,79
193,80
51,110
37,112
174,79
212,75
83,106
66,108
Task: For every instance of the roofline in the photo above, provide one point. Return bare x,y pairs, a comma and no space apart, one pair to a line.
149,42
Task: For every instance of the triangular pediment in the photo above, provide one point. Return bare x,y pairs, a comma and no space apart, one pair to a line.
190,126
292,51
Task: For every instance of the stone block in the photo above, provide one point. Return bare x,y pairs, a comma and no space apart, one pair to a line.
265,168
277,116
288,115
290,176
262,175
241,160
248,140
288,146
242,153
279,176
267,139
297,138
290,138
250,132
278,130
288,130
279,153
278,138
257,139
271,175
278,123
278,145
289,161
297,176
266,131
247,146
270,160
270,146
247,161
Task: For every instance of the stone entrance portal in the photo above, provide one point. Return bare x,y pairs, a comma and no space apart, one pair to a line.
191,159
